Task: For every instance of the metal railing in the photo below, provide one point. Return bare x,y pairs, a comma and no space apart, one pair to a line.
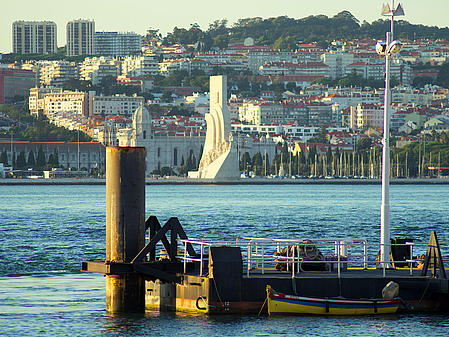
262,255
199,259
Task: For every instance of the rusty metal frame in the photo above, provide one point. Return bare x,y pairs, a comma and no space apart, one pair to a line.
434,259
158,233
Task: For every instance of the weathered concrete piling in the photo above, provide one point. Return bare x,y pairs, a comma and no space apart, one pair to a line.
125,225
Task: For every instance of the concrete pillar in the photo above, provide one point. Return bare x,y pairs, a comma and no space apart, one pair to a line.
125,225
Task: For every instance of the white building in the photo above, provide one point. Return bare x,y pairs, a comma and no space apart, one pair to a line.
318,69
261,113
36,103
117,44
140,66
96,68
67,101
114,105
337,62
57,73
200,102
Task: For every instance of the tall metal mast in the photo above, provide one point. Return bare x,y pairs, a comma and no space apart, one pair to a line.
389,49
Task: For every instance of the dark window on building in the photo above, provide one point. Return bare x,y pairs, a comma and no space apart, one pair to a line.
175,156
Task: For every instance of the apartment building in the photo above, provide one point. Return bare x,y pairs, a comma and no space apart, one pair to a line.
57,73
261,113
66,101
365,116
320,113
140,66
143,83
337,63
114,105
96,68
318,69
296,112
400,70
36,99
34,37
80,37
117,44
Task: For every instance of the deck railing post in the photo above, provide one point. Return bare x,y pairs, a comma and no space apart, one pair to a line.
248,262
185,256
263,260
365,253
338,260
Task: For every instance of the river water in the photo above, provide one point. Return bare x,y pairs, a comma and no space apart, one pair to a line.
45,232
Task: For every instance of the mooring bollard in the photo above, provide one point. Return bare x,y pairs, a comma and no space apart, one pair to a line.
125,225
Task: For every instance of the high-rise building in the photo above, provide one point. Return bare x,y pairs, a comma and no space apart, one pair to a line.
34,37
80,37
117,44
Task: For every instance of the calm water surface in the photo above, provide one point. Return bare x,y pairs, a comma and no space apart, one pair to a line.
45,232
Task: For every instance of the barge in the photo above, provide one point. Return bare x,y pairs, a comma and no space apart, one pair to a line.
230,275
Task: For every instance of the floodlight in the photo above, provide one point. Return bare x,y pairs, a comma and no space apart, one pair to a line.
394,47
381,48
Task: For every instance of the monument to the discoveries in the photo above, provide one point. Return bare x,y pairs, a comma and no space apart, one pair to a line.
219,160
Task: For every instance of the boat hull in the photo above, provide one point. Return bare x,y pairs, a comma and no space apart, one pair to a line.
281,304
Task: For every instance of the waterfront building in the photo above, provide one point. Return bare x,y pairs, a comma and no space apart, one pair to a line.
14,83
80,37
117,44
57,73
89,155
34,37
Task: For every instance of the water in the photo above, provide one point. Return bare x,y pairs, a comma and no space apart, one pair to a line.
46,231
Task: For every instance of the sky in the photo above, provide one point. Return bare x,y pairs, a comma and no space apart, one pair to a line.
139,15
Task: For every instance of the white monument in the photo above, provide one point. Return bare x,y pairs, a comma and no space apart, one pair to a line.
219,160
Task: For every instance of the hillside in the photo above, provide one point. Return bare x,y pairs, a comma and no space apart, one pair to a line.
285,32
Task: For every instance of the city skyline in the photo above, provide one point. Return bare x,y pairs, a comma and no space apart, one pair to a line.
111,16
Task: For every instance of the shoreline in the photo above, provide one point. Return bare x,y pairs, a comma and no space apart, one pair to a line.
247,181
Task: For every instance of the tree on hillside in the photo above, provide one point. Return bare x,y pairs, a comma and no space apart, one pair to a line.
443,76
